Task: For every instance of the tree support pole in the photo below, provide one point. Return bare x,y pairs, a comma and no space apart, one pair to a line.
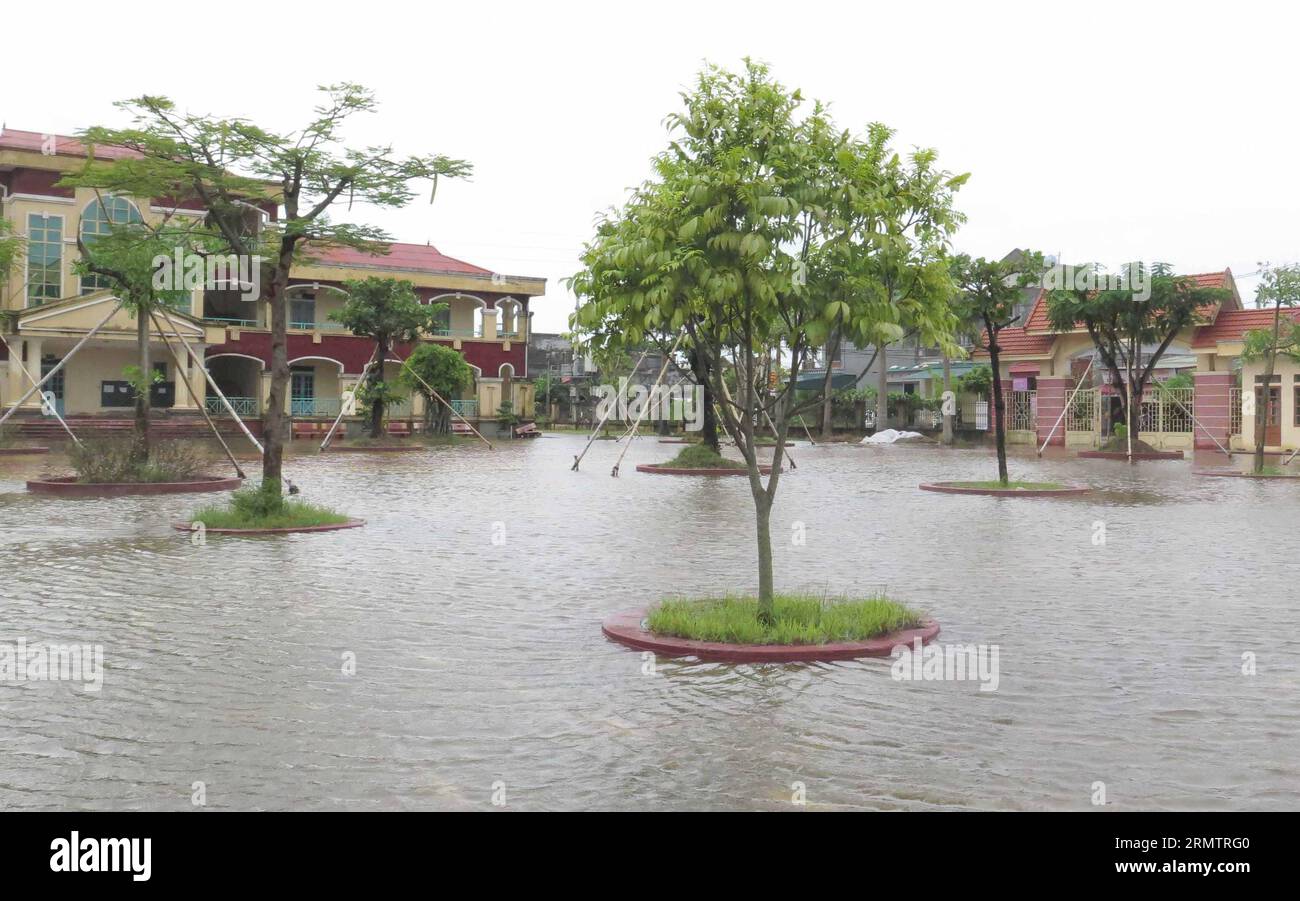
1066,409
26,372
668,361
577,461
441,400
1226,452
180,368
356,389
59,366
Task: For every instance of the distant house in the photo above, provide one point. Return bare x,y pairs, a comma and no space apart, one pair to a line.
1043,367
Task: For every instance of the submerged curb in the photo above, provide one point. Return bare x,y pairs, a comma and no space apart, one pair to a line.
626,628
332,527
373,449
20,451
1119,455
680,471
68,486
1234,474
951,488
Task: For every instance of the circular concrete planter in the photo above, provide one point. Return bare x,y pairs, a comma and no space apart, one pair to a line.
627,629
679,471
68,486
675,441
373,448
1119,455
1234,474
333,527
951,488
22,451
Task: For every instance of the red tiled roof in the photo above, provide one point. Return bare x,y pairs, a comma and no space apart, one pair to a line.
34,142
1038,321
1231,325
417,257
1015,342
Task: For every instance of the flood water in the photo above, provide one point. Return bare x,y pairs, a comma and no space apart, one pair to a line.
472,604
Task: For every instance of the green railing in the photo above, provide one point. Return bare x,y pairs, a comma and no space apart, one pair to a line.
230,321
314,406
457,333
243,406
313,326
466,408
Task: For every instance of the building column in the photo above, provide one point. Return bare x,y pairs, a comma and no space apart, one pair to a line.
15,383
33,365
1212,407
184,391
1052,393
490,323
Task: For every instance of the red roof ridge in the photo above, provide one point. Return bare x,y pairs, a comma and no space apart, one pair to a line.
64,145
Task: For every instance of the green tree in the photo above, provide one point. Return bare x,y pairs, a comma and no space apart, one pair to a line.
1279,288
988,292
436,368
387,311
766,227
11,246
240,172
1141,307
127,259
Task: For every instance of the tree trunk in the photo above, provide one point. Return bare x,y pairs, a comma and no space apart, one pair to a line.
140,449
709,433
882,389
763,521
828,406
276,420
999,404
1262,406
949,432
375,382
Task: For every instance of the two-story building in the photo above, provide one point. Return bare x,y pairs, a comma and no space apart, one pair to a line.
46,309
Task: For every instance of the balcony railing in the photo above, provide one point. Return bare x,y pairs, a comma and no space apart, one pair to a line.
230,321
314,406
457,333
313,326
466,408
243,406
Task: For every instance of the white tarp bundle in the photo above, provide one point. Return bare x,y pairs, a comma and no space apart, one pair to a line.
889,436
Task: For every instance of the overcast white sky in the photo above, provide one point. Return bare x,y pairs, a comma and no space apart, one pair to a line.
1100,131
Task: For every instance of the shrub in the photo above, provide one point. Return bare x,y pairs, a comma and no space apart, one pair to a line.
701,456
114,459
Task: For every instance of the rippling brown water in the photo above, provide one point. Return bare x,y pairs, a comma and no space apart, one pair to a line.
482,663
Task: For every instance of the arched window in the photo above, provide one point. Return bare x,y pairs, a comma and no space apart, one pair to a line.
98,219
508,317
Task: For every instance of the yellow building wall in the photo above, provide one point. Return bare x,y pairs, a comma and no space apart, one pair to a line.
20,207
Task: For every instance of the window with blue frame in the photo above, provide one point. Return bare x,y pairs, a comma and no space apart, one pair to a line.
44,258
98,219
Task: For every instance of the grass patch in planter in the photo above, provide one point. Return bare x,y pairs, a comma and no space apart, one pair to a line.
701,456
995,485
799,619
265,507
